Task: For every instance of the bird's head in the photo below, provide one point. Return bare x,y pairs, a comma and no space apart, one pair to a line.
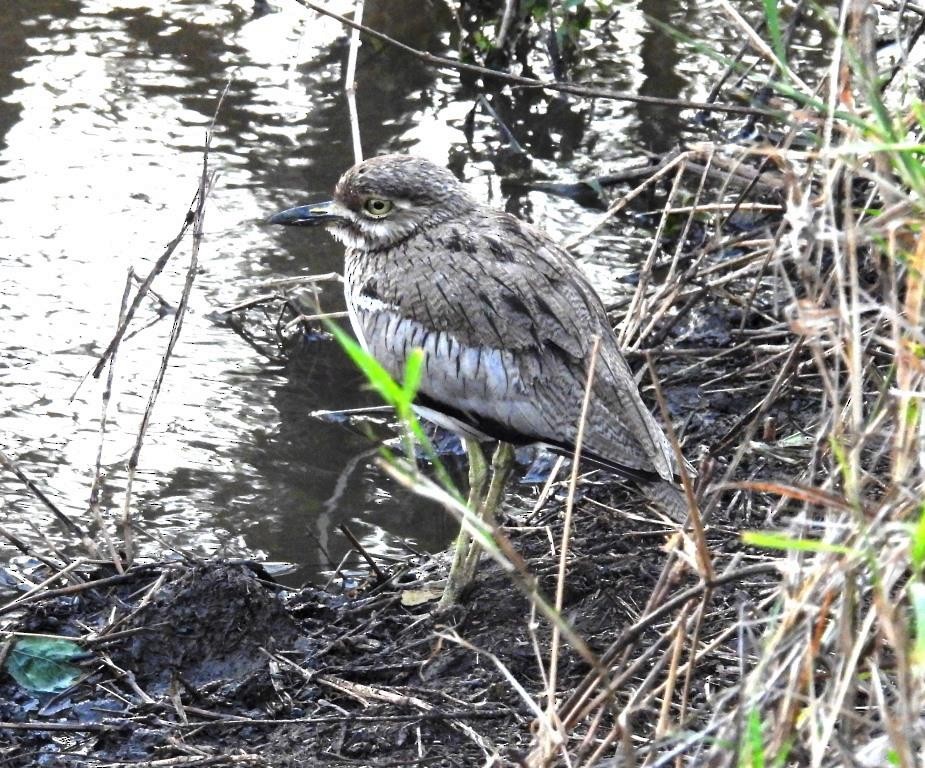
382,201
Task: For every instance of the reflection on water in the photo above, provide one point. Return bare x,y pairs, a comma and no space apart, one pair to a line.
103,109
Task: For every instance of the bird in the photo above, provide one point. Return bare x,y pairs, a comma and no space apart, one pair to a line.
506,320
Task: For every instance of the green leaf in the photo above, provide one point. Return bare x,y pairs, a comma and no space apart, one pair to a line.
917,598
400,397
481,41
772,16
753,751
771,540
917,542
43,664
414,370
538,11
377,376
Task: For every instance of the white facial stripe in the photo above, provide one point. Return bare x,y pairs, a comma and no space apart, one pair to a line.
365,232
348,236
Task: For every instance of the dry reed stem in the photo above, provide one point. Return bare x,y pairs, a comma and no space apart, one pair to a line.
639,304
198,214
704,556
9,463
755,39
31,594
22,547
350,82
195,216
626,199
663,724
549,742
143,290
98,479
579,704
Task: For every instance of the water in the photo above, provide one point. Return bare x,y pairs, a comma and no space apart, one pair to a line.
104,106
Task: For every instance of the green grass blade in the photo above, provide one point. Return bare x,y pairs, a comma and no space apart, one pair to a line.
917,599
414,370
400,397
771,540
772,18
752,755
917,542
375,373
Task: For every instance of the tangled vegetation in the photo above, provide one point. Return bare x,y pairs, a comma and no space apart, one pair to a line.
777,323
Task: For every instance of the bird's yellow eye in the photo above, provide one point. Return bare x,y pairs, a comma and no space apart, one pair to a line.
377,207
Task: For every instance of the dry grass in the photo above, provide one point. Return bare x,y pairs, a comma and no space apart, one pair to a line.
823,664
813,241
811,500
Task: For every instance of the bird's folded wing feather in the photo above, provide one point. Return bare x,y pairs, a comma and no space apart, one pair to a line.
508,338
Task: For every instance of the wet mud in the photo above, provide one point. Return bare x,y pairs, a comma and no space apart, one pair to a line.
216,663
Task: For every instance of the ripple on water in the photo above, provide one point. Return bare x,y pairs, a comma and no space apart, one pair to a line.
103,110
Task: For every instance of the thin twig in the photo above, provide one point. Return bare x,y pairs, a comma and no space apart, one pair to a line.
591,91
196,216
553,674
350,87
66,521
704,557
355,543
94,503
142,292
570,713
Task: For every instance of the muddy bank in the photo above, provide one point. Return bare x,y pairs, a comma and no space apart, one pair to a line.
214,663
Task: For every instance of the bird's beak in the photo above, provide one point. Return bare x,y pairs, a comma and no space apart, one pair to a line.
307,215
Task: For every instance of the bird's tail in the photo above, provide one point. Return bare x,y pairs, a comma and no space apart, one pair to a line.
667,496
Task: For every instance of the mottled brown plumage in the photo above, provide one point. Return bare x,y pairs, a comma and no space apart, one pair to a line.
504,315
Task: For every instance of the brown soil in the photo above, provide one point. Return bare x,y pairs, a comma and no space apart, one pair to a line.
310,677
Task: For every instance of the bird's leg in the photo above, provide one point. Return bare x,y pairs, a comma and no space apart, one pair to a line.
485,504
501,465
478,472
478,475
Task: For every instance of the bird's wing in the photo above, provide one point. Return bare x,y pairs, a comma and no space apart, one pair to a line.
498,283
507,319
